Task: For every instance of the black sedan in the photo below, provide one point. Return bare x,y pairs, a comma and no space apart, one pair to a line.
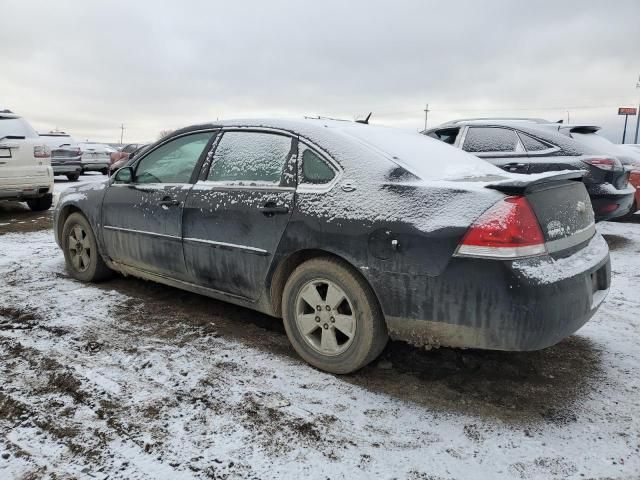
534,146
351,233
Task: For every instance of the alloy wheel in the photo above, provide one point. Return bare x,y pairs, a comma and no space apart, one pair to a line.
79,248
325,317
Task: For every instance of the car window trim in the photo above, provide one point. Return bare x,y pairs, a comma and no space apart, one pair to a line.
517,152
305,187
199,162
202,179
546,151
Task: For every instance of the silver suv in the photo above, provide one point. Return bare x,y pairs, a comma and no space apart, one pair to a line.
25,163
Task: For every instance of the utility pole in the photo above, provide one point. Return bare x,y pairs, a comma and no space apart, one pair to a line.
638,116
121,133
568,119
426,113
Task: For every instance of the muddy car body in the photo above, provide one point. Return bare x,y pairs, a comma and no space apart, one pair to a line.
347,211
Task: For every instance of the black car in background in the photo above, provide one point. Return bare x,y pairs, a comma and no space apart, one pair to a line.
351,233
534,146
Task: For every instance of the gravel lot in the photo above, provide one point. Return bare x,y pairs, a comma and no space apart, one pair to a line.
129,379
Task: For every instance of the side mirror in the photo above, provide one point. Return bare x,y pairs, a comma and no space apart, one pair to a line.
124,175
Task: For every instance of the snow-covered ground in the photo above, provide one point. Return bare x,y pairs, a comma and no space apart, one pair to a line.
128,379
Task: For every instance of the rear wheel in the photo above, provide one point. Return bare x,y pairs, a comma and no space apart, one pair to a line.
81,250
104,171
332,317
41,204
73,177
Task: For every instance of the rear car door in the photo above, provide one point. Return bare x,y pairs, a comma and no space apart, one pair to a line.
142,220
498,145
237,212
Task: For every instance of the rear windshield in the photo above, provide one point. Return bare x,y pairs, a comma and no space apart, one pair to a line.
16,127
429,159
594,141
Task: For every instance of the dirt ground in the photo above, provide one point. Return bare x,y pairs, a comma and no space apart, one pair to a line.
116,389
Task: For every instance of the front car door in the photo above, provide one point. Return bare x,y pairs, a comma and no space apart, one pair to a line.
498,145
237,212
142,220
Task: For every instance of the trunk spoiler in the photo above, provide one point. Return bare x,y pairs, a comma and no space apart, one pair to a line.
520,185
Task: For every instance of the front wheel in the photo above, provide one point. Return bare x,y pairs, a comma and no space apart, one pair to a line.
41,204
332,316
81,250
73,177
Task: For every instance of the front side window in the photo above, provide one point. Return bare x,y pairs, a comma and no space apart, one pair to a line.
314,169
490,139
250,157
174,161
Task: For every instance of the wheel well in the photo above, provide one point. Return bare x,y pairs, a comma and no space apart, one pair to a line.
64,214
286,267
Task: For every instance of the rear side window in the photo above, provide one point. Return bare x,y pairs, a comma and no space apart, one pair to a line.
531,144
17,127
490,139
252,157
174,161
447,135
314,169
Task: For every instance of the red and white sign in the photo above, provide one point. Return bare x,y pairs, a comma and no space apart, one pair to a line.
627,111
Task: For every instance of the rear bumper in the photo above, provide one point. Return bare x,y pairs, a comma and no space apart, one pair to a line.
517,305
609,202
63,168
95,165
34,189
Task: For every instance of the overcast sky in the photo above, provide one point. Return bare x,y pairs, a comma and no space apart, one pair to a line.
153,65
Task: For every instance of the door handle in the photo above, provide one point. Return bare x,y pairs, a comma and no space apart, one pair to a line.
270,208
169,202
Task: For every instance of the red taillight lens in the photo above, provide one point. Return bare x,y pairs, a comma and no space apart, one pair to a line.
603,163
41,151
509,229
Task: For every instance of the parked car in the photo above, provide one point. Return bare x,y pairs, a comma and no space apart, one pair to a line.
25,163
533,146
96,157
114,167
66,156
351,233
124,152
629,155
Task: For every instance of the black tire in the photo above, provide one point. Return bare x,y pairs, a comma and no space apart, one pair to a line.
104,171
371,334
41,204
95,269
73,177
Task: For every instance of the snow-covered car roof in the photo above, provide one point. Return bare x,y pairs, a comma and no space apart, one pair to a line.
360,146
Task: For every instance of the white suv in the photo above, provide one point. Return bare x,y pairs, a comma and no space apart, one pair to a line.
25,163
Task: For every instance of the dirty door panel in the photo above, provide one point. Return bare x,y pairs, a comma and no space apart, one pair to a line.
233,221
142,229
143,220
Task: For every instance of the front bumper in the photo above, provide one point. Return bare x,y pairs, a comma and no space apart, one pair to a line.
520,305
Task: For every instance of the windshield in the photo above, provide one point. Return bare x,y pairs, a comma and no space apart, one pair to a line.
16,127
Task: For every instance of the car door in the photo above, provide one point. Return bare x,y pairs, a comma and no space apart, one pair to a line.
237,212
142,220
498,145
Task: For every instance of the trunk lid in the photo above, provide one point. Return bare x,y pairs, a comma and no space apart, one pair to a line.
561,204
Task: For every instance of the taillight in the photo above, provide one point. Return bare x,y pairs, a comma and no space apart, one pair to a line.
509,229
41,151
607,164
